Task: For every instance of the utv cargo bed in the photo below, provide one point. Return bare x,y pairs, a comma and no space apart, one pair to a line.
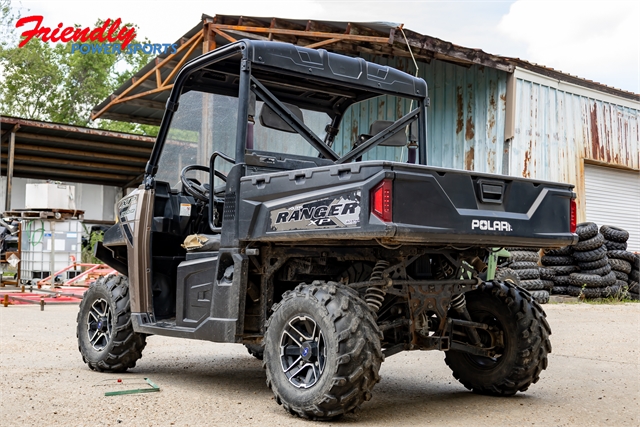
421,204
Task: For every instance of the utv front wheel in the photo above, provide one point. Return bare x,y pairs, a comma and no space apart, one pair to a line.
106,338
521,353
322,351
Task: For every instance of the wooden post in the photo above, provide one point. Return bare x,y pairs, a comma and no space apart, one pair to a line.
12,149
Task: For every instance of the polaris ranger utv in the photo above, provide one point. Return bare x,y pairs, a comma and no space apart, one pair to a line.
259,221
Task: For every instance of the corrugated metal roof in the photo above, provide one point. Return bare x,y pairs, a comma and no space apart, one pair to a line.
55,151
147,92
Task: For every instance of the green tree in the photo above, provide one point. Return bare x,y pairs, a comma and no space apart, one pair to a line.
45,81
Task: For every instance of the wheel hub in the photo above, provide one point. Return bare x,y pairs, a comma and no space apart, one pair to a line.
99,324
302,352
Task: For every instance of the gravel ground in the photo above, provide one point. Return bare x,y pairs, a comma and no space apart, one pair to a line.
592,379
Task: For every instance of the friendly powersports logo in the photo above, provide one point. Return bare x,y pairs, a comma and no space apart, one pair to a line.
110,38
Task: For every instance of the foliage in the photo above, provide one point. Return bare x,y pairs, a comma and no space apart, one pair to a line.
45,81
87,250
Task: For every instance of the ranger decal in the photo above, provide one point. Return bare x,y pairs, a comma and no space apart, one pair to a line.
340,212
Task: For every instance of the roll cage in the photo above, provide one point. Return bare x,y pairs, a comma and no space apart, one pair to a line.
279,73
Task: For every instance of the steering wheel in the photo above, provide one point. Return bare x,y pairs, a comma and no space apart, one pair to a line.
194,188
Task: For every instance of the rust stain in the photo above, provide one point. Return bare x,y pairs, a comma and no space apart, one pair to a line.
459,110
470,129
491,161
468,159
527,158
503,97
354,130
596,148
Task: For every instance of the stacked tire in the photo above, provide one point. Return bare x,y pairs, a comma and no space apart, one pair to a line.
524,261
622,263
557,266
595,278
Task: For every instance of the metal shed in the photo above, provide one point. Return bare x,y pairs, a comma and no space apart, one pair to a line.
41,150
488,113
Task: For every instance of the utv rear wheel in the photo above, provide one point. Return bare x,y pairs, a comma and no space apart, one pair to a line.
322,351
106,338
524,347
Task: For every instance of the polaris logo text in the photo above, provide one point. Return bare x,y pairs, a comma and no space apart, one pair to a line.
485,225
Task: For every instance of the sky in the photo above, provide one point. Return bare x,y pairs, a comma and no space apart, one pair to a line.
596,40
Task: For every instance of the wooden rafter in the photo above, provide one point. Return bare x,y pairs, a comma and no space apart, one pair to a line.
190,44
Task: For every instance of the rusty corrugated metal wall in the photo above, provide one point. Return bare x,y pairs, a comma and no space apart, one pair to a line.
554,127
465,121
556,132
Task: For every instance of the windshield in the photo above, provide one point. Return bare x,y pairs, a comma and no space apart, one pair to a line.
206,122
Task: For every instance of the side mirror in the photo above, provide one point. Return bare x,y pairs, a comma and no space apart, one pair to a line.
269,118
399,139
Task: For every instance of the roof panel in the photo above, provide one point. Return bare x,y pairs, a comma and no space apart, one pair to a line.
55,151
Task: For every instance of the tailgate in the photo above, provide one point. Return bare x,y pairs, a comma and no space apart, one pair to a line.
458,207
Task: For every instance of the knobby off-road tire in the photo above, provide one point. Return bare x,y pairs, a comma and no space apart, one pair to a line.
561,281
564,270
614,234
586,230
547,273
564,260
602,271
532,285
589,256
526,341
105,334
615,246
518,256
256,350
565,250
620,265
347,351
542,297
507,275
589,244
627,256
593,264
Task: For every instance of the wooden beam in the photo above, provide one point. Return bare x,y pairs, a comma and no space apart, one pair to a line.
106,157
140,95
156,105
78,129
453,52
302,33
7,134
146,76
224,35
61,163
322,43
83,144
129,118
68,172
182,60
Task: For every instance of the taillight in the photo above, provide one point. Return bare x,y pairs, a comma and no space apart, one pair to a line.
573,216
381,200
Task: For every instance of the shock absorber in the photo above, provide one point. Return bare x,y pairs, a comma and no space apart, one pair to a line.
459,304
374,296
